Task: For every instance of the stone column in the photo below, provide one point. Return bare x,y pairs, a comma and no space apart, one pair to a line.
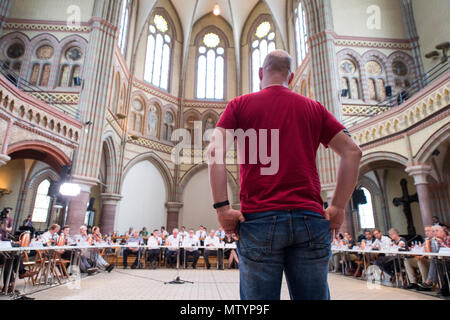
4,158
97,75
109,206
173,210
420,173
324,71
77,208
411,29
5,5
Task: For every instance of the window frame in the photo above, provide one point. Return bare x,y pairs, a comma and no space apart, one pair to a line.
171,32
297,34
252,37
224,43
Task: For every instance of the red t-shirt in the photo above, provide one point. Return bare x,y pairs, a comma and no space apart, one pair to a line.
303,124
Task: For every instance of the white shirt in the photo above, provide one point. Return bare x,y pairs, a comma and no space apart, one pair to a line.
183,234
173,242
200,234
47,236
382,244
190,242
154,242
212,241
220,234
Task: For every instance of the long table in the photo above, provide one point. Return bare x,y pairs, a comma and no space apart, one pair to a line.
444,255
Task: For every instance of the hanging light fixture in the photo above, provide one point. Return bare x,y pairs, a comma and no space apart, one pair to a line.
216,10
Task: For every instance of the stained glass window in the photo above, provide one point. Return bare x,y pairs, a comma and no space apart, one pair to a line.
42,202
301,33
157,62
261,47
211,68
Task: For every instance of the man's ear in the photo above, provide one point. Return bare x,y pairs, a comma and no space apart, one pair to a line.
261,72
291,78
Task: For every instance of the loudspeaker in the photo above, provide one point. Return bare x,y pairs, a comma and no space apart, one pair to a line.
344,93
358,198
53,190
388,91
77,81
91,204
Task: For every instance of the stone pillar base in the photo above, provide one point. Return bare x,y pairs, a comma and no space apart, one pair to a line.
108,215
77,209
173,210
4,159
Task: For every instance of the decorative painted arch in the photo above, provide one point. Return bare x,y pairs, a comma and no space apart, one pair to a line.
211,28
40,150
351,54
370,158
377,56
160,165
110,152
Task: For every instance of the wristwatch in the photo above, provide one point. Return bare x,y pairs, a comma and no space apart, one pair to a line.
221,204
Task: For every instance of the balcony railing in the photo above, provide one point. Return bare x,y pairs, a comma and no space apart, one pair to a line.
64,102
416,86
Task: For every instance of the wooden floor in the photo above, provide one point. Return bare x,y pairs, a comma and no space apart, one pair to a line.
208,285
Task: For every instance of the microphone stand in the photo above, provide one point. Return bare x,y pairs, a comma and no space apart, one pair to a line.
178,280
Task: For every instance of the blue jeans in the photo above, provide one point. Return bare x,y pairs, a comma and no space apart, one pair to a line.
296,242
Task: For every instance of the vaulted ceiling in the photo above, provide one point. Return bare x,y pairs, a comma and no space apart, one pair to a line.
233,11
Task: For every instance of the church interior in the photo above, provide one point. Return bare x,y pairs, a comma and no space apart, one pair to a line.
92,93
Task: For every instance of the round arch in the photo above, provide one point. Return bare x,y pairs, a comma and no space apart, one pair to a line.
159,164
39,150
437,139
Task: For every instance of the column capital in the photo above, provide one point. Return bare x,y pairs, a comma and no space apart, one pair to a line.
4,159
419,173
174,206
110,198
85,182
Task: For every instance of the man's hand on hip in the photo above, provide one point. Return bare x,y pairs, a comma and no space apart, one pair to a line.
336,217
229,219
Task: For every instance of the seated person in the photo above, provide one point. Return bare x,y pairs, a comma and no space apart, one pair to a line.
220,234
336,258
380,242
190,243
27,225
173,243
386,263
90,258
50,237
230,254
68,241
97,238
212,244
421,263
440,240
154,242
133,241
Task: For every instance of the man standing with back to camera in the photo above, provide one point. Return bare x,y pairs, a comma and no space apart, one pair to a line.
283,226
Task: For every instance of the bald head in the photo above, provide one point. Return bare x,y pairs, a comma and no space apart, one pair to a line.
278,62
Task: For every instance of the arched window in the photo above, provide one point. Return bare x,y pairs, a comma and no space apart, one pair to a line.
124,22
301,33
40,72
169,124
42,202
137,114
14,55
366,218
157,61
350,79
211,68
263,44
70,67
377,89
